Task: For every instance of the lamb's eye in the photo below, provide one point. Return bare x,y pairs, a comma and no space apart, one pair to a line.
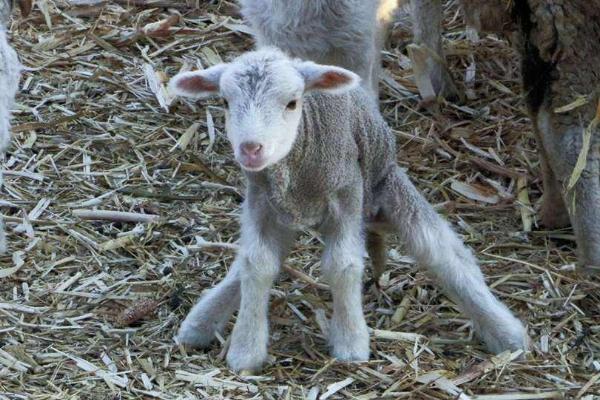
226,104
292,105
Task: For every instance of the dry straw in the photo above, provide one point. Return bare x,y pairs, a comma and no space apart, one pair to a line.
112,202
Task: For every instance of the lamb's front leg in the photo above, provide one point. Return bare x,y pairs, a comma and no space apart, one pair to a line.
438,248
343,266
264,244
213,310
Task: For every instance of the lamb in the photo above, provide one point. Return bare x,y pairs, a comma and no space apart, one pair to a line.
317,153
338,32
9,77
559,47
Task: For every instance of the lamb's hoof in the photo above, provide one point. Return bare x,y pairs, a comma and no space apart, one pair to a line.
355,354
501,337
350,347
246,360
195,336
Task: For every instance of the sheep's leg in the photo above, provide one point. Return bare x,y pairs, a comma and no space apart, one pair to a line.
553,212
264,244
431,240
386,12
213,310
562,141
431,74
584,205
376,250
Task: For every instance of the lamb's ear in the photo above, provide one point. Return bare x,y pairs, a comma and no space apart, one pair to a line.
197,84
327,78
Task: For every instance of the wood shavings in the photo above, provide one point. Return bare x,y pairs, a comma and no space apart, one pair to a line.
108,376
157,87
444,384
91,132
117,216
336,387
525,209
208,380
473,192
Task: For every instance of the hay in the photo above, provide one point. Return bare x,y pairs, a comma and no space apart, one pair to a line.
91,133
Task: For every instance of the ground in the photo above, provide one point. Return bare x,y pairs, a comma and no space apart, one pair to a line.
89,308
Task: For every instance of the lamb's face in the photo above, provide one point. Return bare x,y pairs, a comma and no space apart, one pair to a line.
264,107
263,92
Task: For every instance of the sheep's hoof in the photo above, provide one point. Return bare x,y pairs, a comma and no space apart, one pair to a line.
554,219
448,89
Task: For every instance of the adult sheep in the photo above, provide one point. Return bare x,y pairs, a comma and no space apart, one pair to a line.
559,46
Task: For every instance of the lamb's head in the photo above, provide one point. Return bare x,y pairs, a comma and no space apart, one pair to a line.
263,92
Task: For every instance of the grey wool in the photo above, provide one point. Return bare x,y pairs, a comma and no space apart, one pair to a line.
337,32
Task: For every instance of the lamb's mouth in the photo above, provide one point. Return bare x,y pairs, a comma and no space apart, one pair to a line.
252,165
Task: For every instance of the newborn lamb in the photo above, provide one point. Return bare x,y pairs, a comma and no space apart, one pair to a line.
317,153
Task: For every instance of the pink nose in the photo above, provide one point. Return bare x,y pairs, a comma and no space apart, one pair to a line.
251,149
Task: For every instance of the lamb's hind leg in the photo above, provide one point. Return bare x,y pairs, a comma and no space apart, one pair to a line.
434,244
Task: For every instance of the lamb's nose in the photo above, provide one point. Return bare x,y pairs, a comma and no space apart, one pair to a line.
251,149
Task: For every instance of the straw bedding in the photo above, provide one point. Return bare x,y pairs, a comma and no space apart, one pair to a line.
121,207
